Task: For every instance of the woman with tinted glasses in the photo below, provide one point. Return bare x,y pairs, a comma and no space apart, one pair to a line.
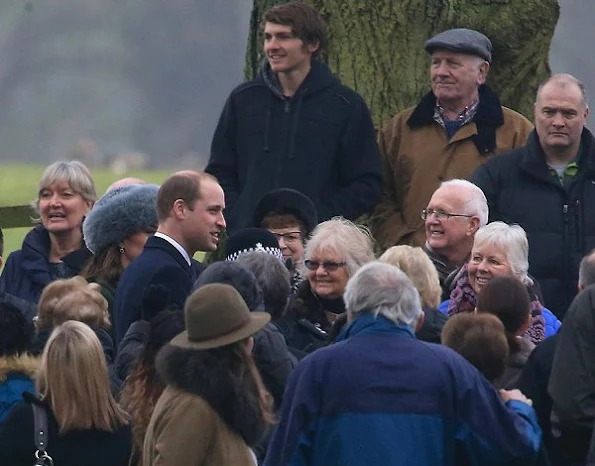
337,249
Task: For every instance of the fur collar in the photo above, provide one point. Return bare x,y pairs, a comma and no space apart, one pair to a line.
489,116
311,307
200,373
22,364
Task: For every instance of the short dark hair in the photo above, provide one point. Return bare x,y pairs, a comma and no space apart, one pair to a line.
508,299
1,243
305,21
183,185
481,340
278,219
274,280
15,331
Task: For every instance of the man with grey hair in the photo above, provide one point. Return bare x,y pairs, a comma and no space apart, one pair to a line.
380,396
456,210
455,128
548,188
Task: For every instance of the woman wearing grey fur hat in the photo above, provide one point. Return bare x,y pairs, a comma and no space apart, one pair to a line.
116,230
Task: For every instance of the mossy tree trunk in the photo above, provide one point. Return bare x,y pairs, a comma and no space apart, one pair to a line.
376,46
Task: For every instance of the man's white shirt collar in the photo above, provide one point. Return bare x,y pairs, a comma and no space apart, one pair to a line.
176,245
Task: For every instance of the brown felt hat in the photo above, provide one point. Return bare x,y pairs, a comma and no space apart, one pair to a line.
216,315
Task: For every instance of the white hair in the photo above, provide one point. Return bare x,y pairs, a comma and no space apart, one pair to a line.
475,202
513,243
383,289
350,241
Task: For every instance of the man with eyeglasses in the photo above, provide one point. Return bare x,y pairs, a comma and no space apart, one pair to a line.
455,128
456,210
548,188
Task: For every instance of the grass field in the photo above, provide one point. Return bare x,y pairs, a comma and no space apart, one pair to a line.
18,186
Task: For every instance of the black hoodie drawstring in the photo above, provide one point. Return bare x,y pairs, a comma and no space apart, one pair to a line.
294,125
267,122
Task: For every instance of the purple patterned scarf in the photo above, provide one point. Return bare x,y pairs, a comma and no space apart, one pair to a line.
463,299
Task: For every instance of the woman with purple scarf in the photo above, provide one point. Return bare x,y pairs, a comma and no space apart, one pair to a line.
501,250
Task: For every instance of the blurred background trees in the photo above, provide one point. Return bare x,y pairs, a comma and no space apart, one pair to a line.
96,79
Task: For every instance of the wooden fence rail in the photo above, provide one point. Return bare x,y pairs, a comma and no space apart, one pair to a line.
16,216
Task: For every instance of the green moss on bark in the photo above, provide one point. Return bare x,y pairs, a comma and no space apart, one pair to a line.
376,46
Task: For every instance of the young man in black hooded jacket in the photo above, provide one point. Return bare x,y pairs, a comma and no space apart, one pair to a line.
295,126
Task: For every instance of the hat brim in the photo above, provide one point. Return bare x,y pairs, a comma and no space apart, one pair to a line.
257,321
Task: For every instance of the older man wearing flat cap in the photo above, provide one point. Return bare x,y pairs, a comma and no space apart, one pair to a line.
452,130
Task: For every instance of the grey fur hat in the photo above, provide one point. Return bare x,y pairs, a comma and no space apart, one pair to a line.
120,213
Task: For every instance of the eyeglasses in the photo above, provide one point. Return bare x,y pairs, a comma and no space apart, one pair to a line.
441,214
290,237
329,266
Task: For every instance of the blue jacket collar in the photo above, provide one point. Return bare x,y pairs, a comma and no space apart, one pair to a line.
369,323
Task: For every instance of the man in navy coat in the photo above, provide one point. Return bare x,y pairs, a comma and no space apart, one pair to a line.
190,212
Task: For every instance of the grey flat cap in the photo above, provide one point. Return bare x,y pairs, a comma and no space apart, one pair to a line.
463,41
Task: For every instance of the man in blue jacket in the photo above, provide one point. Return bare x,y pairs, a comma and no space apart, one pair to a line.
381,397
190,212
295,126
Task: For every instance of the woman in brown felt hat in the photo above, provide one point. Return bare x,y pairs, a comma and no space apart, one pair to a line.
215,407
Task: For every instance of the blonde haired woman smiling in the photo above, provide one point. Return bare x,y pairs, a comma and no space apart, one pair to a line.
54,248
416,264
85,425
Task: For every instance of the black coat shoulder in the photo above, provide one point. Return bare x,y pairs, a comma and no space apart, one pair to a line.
90,447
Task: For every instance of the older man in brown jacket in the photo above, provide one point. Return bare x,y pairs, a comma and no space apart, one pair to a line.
454,129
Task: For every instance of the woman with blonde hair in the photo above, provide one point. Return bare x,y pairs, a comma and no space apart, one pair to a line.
416,264
54,248
84,423
72,299
76,299
336,250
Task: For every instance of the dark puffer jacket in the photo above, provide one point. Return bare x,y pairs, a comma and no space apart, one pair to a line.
321,142
28,271
559,223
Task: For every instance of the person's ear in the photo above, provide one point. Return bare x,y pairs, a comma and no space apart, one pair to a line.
526,325
249,344
473,226
484,69
313,47
1,262
420,322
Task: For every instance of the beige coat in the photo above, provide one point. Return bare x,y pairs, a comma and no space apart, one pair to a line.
417,156
185,431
